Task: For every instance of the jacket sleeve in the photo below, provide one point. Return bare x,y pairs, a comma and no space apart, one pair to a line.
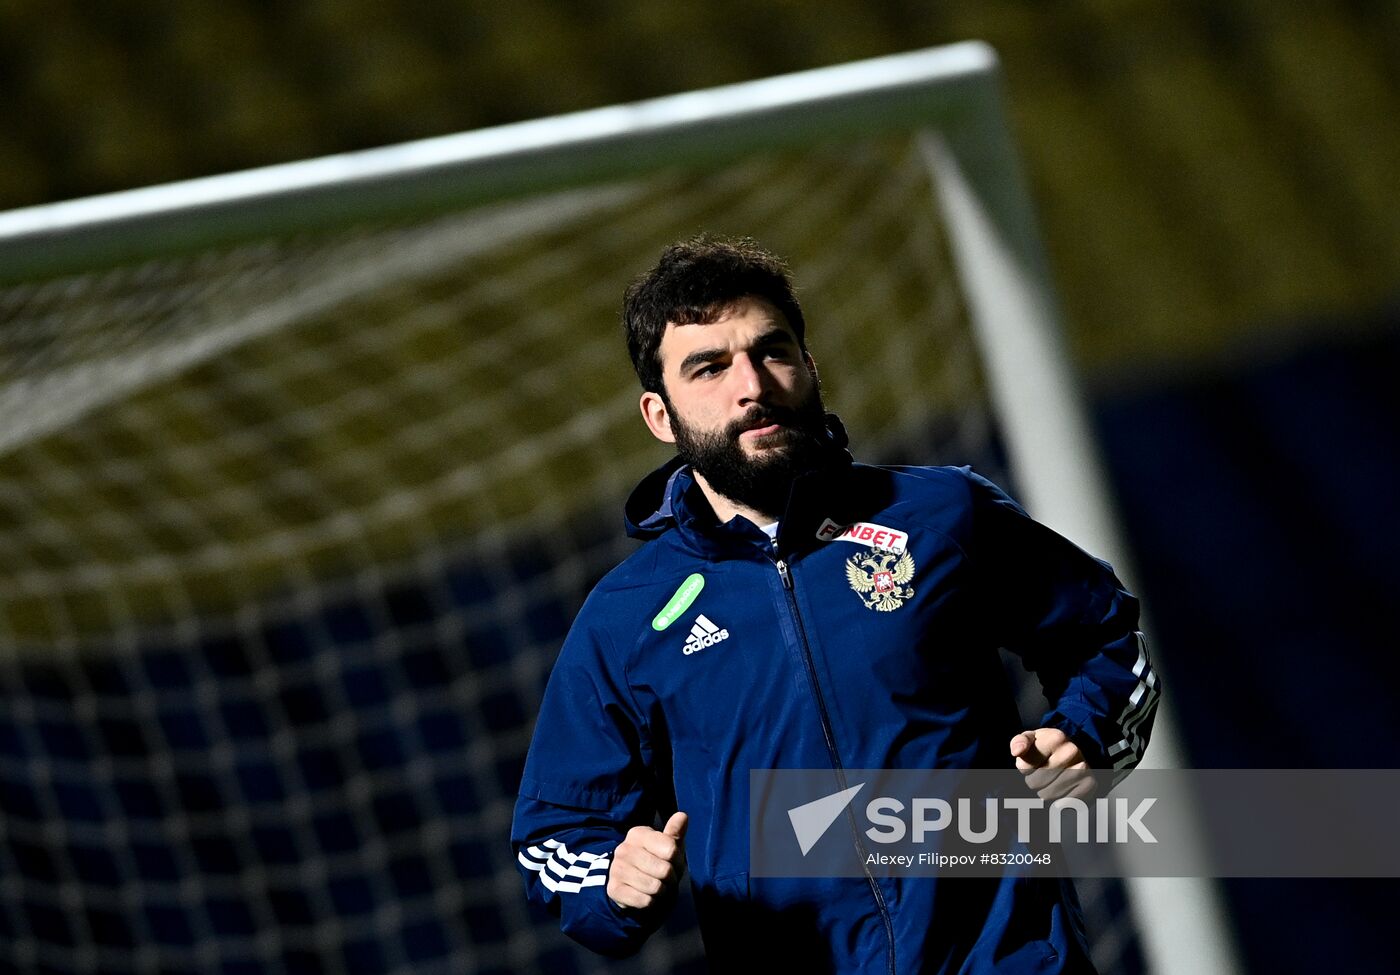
584,785
1071,621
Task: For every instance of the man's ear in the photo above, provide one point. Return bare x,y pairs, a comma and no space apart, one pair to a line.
811,364
657,417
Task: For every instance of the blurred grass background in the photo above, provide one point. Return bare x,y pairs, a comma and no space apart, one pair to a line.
1204,171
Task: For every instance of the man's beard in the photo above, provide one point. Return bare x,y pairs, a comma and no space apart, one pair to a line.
764,482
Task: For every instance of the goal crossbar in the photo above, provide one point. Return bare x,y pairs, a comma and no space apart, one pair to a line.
714,125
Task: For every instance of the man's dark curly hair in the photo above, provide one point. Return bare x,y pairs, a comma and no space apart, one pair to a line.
695,282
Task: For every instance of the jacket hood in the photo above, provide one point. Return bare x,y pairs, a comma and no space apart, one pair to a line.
658,501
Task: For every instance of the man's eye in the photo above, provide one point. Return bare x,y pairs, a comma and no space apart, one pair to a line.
711,370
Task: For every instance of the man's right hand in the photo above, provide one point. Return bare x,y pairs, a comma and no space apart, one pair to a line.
647,863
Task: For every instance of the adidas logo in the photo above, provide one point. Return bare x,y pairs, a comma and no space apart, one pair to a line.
703,634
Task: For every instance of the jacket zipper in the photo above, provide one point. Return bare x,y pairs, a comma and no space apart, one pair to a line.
785,574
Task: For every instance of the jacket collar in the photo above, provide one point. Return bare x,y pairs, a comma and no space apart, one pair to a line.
669,499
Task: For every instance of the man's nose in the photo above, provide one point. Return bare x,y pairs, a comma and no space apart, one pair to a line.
752,380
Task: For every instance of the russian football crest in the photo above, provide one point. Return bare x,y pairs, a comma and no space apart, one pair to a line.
880,578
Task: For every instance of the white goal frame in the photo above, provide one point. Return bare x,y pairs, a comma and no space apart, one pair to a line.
949,97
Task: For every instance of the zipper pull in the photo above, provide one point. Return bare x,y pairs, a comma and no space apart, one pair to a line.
784,574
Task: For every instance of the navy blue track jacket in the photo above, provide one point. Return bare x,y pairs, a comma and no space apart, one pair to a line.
822,664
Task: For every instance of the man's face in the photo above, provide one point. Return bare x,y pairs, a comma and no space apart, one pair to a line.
743,405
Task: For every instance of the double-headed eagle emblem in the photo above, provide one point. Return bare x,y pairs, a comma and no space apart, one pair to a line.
879,580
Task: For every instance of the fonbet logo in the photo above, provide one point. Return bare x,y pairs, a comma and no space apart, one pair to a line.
1114,820
703,634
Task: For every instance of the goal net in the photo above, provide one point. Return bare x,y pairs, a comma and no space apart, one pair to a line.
292,527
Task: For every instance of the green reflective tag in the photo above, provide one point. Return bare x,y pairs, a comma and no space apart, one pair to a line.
680,602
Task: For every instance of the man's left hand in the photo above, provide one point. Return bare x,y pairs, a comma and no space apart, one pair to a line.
1052,764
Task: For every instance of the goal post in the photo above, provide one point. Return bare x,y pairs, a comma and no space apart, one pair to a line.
1182,921
258,442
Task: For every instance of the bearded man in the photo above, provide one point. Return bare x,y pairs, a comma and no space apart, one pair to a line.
744,635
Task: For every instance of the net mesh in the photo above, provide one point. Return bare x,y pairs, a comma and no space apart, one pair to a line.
290,534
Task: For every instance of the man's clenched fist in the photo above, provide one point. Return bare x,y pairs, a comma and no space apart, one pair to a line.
647,863
1052,764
